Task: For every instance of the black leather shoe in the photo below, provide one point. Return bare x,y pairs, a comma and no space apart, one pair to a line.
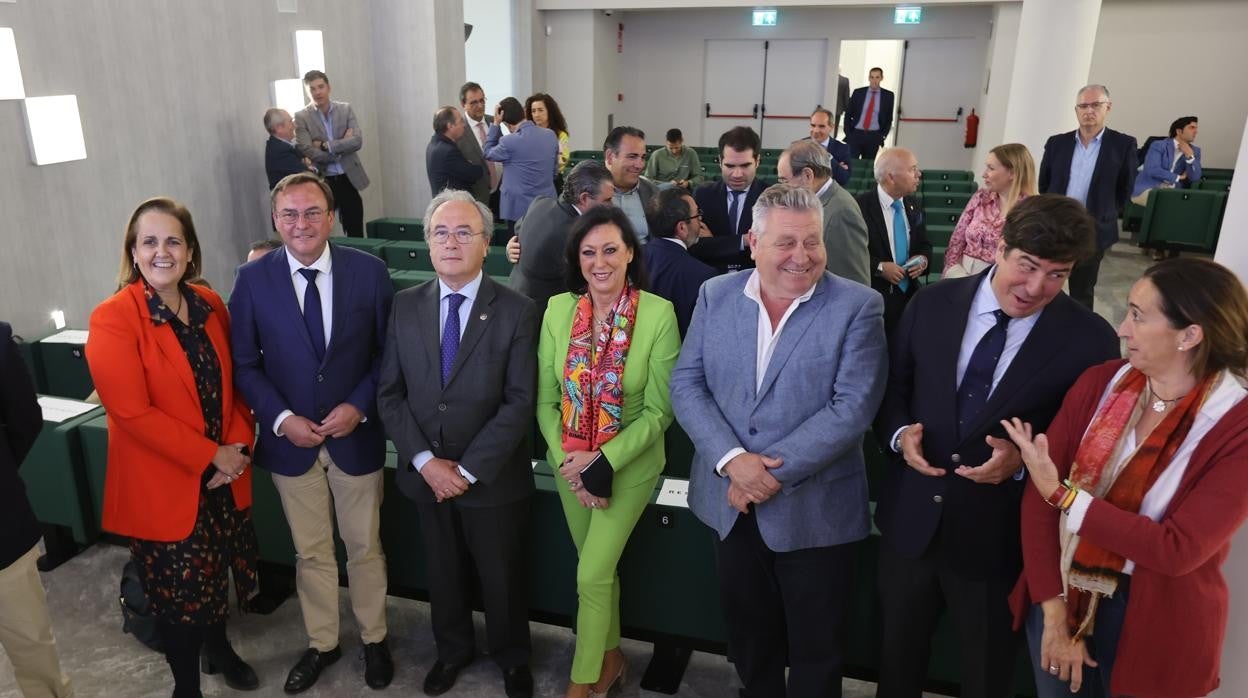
378,666
442,677
518,682
308,669
238,674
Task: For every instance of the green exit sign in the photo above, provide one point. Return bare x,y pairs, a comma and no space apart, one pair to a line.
907,15
765,18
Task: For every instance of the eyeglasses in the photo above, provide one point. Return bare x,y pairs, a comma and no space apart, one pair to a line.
1089,106
291,216
696,216
442,237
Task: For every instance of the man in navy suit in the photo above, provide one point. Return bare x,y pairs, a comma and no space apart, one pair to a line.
1095,166
308,328
822,131
281,157
444,161
869,117
676,226
896,232
1170,162
967,353
726,205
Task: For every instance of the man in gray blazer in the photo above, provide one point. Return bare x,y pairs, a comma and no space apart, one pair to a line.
807,164
327,133
456,394
472,140
781,372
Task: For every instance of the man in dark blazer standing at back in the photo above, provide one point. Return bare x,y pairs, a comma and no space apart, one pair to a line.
868,117
727,205
823,132
674,273
967,353
307,326
896,232
25,625
281,157
472,143
1095,166
444,161
456,393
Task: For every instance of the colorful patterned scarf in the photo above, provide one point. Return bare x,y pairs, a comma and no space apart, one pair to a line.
593,376
1093,572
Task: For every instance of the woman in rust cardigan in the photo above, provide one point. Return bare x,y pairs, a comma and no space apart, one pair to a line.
178,437
1139,486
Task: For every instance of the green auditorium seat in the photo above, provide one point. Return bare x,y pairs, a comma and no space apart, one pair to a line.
1212,184
938,257
61,357
586,155
952,187
948,176
370,245
93,437
939,215
407,255
56,477
939,235
1217,172
943,199
396,229
1183,219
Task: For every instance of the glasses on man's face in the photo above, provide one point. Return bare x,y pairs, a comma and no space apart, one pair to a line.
463,237
1090,106
695,217
291,217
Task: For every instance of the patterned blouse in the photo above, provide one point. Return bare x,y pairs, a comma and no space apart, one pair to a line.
978,229
205,365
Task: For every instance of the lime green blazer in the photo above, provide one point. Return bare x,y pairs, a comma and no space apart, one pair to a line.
636,452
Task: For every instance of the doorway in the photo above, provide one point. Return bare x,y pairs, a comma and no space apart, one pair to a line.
771,86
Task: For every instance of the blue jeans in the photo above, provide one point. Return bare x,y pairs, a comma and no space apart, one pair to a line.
1102,646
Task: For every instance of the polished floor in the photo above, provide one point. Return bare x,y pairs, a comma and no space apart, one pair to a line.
103,662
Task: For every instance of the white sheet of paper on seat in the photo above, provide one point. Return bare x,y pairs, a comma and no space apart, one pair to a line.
674,493
67,337
59,409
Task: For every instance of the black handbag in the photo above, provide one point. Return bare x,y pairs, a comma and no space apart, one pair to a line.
136,609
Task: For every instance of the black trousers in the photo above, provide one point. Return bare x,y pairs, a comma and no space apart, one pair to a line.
863,144
349,204
494,541
784,608
913,595
1083,278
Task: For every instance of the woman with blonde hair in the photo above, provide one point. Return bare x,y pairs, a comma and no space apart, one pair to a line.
1009,176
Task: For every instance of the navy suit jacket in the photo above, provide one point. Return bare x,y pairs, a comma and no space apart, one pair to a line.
20,423
858,100
448,168
839,152
725,246
276,370
878,247
975,525
1110,189
281,159
676,275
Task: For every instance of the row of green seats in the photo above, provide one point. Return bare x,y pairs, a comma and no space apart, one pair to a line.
413,229
1183,219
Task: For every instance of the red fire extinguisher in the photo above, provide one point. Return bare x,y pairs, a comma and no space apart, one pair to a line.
972,130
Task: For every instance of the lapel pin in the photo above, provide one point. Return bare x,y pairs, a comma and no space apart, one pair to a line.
483,316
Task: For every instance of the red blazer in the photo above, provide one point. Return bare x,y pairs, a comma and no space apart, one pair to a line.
1177,610
157,450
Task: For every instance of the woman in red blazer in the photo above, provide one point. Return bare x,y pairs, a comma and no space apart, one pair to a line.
179,437
1140,484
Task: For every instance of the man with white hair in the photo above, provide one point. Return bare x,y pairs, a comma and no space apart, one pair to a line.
898,244
778,472
807,164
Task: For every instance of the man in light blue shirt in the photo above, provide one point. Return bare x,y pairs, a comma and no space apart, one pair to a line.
625,152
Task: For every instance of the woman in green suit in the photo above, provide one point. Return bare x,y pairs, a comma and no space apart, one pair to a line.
604,360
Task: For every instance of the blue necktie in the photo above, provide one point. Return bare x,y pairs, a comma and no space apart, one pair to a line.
977,381
313,316
450,335
734,209
900,242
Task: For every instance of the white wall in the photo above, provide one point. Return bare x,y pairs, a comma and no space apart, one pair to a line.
1162,60
492,39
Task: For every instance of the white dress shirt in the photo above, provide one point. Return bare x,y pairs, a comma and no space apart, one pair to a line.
469,292
886,205
766,340
325,285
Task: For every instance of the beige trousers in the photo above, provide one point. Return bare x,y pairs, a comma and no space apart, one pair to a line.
26,630
312,501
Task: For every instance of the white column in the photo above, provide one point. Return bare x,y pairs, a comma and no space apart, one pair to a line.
1000,69
1233,252
1052,60
418,61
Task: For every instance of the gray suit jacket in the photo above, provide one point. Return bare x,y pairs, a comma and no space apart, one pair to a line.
818,396
483,417
471,149
845,235
309,127
543,236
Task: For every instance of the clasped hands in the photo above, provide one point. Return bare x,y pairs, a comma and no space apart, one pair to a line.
305,433
444,478
751,480
573,463
999,467
230,462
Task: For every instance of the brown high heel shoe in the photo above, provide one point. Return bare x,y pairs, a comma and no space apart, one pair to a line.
613,670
